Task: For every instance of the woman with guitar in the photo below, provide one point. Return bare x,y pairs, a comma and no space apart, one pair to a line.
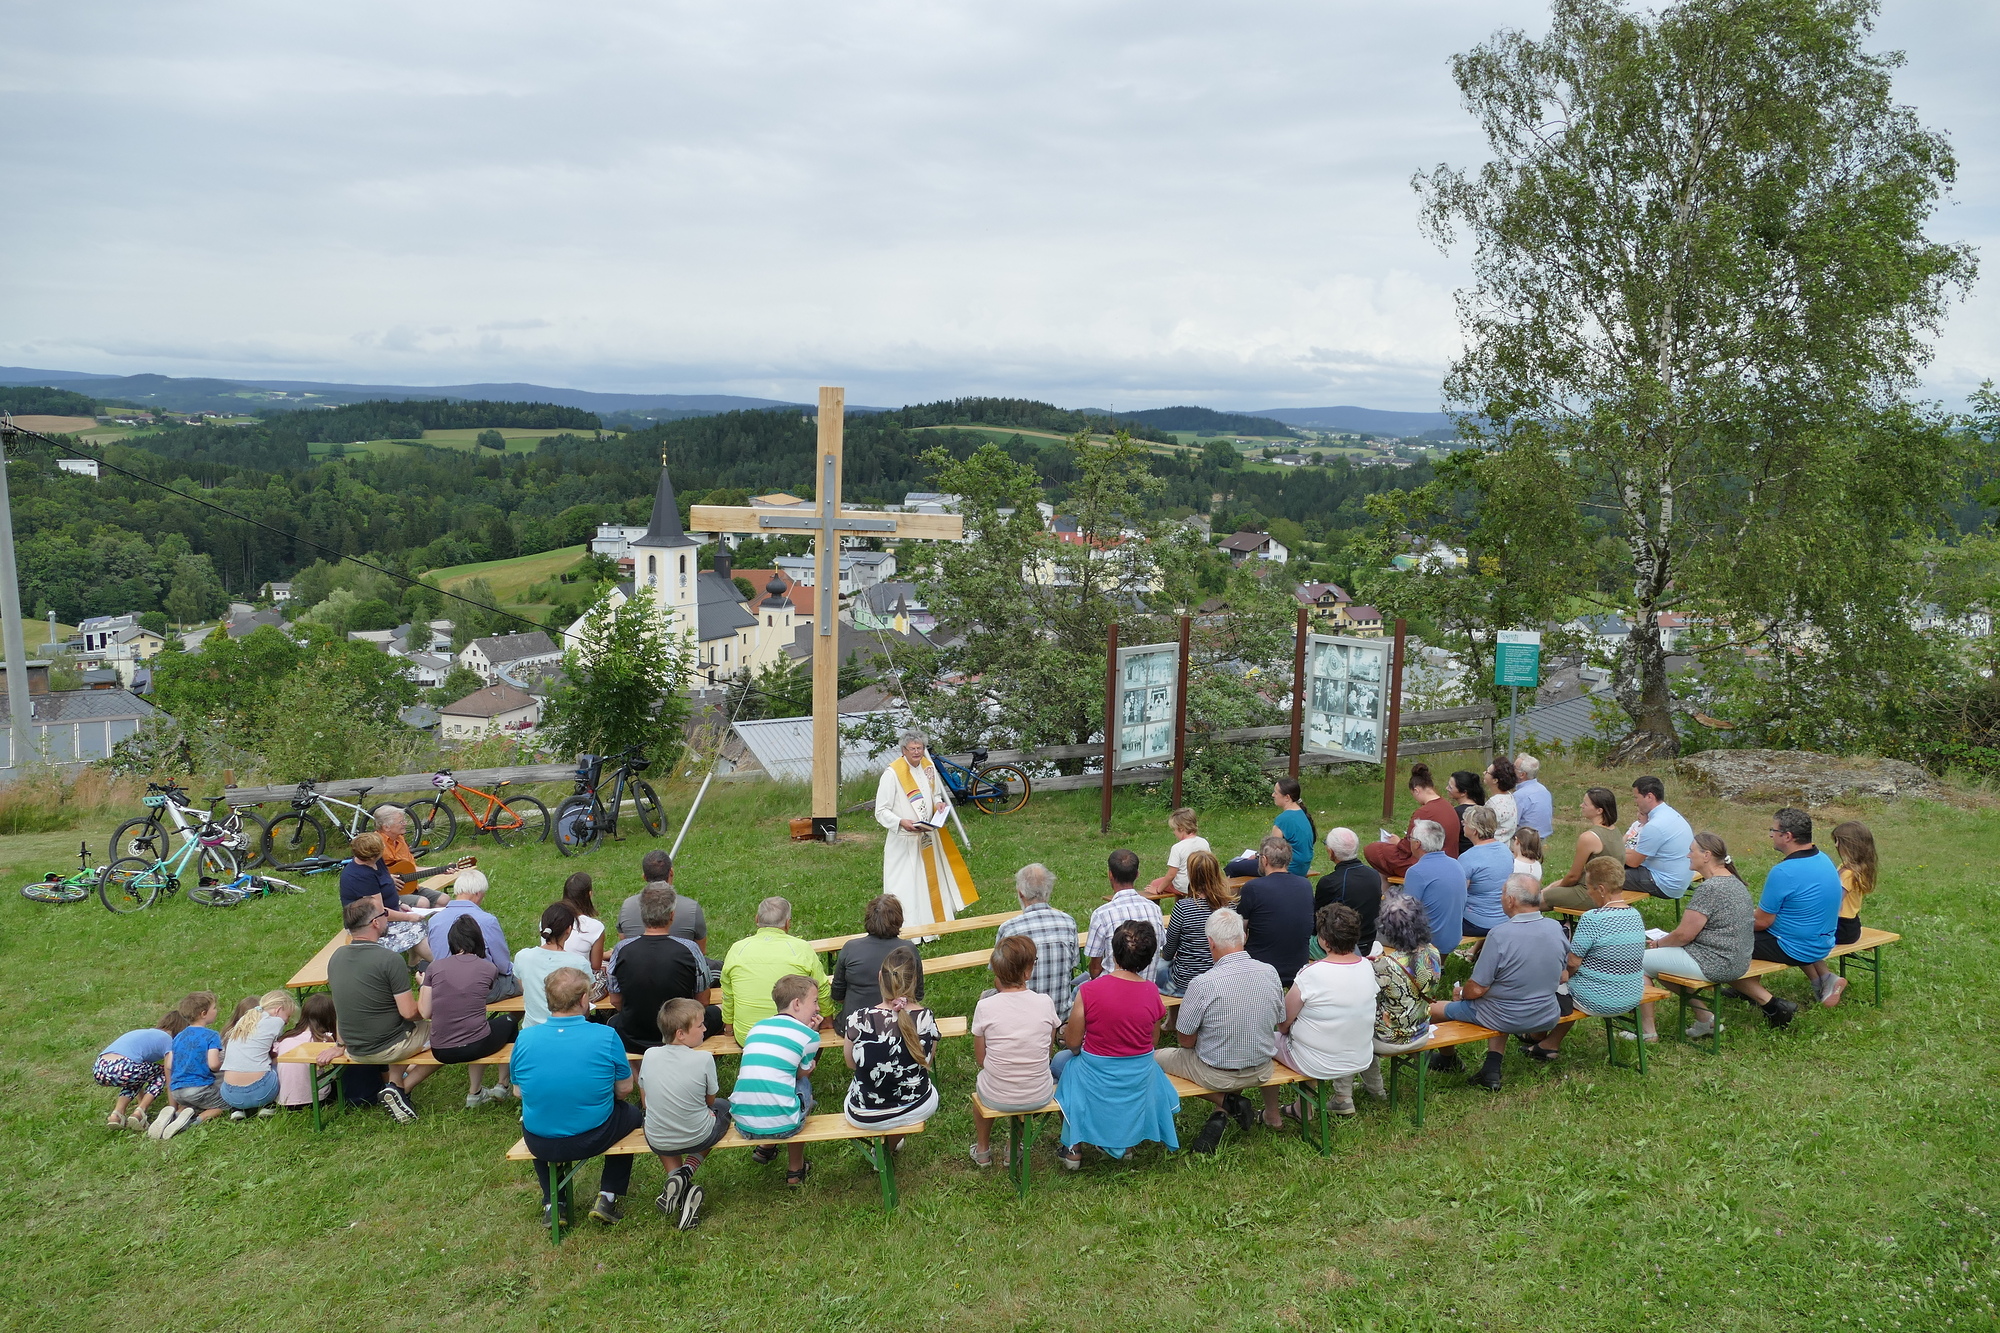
392,822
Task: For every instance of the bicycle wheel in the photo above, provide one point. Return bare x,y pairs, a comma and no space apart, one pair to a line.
218,863
576,826
131,883
1000,789
216,895
292,838
141,837
55,891
433,827
250,851
519,821
648,804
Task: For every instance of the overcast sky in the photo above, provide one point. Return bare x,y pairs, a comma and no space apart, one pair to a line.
1091,203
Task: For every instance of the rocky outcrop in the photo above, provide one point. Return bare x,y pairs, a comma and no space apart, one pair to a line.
1801,777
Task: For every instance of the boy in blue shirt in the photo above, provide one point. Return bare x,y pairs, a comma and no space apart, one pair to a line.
192,1093
1796,915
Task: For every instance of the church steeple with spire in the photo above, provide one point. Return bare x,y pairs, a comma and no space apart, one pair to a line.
664,560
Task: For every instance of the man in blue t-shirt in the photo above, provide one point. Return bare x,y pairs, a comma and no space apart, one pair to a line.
572,1075
1293,824
1658,865
1796,915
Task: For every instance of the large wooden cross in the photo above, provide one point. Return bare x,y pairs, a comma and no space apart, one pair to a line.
826,523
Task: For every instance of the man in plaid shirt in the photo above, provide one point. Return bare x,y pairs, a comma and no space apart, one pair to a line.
1125,904
1053,932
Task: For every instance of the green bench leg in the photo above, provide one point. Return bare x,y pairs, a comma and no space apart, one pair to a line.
1423,1065
1625,1022
1321,1095
561,1176
1020,1141
1873,962
878,1156
319,1090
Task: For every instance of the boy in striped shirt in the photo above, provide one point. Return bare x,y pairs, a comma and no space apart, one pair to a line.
773,1092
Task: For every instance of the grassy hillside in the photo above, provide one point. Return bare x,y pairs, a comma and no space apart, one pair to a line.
520,440
1839,1174
509,579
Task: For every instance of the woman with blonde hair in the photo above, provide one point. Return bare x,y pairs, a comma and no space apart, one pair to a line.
889,1047
249,1070
1185,955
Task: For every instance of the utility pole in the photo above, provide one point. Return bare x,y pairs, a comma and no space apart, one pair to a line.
19,709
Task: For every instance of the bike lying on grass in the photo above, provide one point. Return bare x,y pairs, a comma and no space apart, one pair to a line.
56,887
241,889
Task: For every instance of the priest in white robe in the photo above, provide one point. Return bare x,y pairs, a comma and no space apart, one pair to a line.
921,863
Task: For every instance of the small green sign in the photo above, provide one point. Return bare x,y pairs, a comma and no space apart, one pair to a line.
1517,658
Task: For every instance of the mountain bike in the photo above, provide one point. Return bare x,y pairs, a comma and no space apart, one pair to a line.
134,883
997,789
511,820
302,834
59,888
241,889
585,818
166,805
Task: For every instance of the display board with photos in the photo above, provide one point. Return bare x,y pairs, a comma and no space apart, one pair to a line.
1148,675
1346,696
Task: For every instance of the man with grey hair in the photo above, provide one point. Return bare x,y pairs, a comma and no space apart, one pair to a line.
469,899
1353,882
1532,801
1438,882
755,963
1277,910
690,922
1054,935
1228,1025
656,967
921,864
1513,985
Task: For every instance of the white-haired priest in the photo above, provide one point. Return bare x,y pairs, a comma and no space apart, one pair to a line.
921,863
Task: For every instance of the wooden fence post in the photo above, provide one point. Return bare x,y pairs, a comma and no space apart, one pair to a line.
1393,729
1180,712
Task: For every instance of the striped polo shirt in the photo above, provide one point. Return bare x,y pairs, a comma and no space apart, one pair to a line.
765,1101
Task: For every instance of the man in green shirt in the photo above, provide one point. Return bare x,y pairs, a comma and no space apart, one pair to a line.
754,964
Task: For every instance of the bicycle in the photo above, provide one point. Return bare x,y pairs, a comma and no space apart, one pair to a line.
134,883
997,789
59,888
302,834
146,835
241,889
511,820
584,819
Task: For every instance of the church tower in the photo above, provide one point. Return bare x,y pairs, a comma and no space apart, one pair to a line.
665,559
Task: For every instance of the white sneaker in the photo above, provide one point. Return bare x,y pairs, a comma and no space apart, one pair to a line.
177,1122
158,1129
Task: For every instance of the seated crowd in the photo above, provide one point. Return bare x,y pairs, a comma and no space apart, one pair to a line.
1271,970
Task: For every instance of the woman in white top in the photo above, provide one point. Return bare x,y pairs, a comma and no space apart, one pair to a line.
1329,1027
249,1072
586,938
1501,802
1174,884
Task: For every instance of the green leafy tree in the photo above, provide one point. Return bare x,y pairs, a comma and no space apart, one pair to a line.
625,686
458,682
491,439
500,540
194,593
328,720
781,689
228,683
372,614
1702,290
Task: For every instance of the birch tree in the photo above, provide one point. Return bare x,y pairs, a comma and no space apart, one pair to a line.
1702,293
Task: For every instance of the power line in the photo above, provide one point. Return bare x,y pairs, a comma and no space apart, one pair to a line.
7,427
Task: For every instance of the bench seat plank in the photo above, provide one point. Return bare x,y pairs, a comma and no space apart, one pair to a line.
928,928
818,1129
313,975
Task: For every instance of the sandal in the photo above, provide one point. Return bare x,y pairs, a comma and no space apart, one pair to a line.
798,1177
763,1156
979,1160
1298,1112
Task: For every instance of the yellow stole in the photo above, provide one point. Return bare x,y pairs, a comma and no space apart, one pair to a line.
960,872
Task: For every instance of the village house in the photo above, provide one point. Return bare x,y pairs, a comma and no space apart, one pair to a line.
1255,545
493,708
512,653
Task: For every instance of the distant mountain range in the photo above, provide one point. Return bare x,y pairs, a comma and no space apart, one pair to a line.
218,395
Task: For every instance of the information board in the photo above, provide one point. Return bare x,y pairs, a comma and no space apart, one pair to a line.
1517,658
1148,675
1346,695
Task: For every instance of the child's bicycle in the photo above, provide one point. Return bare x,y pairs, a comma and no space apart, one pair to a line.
512,820
166,815
134,883
59,888
241,889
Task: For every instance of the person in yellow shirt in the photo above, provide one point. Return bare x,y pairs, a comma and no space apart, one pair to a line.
754,964
1856,848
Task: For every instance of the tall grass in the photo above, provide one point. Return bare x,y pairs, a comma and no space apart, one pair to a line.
45,799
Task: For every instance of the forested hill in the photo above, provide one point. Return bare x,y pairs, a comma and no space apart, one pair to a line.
408,420
1205,419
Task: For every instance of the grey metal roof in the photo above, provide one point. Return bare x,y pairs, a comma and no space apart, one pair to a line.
882,598
513,647
85,705
1569,721
783,746
719,610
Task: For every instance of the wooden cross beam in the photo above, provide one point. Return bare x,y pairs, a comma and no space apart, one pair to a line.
826,523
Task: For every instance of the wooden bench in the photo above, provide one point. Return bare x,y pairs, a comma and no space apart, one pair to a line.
1865,952
973,958
313,975
324,1075
1450,1034
818,1129
518,1004
929,928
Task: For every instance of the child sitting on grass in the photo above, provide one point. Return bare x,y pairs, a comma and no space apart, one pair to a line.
684,1117
249,1073
136,1064
191,1091
315,1023
773,1093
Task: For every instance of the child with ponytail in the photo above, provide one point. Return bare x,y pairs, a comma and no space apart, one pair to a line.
889,1047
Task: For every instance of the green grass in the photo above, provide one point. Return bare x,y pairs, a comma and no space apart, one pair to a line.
509,579
520,440
1836,1175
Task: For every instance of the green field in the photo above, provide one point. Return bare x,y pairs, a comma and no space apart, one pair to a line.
519,441
509,579
1836,1175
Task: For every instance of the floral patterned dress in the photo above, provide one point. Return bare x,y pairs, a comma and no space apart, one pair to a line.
1402,1015
889,1083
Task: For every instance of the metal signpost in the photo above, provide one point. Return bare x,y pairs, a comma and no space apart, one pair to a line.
1517,661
